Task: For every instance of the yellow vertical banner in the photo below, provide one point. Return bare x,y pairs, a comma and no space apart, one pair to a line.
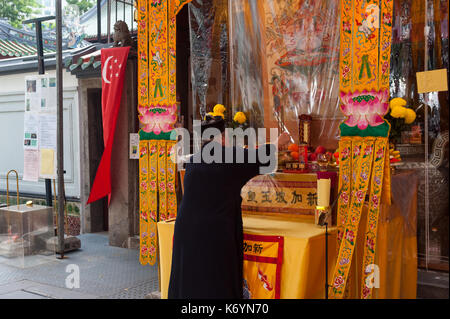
386,11
364,152
153,202
345,167
143,202
158,53
162,180
142,46
365,46
365,39
346,48
157,114
171,180
172,52
381,147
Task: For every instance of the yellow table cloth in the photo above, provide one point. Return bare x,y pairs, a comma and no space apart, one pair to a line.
303,273
303,258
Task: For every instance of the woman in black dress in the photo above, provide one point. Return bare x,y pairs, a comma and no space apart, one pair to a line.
207,257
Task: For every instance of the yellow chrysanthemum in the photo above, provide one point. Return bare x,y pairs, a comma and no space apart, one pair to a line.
240,117
219,109
398,111
410,116
398,101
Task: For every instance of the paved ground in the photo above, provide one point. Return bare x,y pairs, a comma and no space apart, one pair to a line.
432,285
115,273
105,272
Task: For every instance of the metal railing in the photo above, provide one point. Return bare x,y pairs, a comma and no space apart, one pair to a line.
128,19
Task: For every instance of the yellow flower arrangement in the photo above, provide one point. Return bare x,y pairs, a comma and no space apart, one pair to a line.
219,109
398,101
398,112
240,117
410,116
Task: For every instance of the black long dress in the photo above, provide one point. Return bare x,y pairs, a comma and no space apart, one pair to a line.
207,258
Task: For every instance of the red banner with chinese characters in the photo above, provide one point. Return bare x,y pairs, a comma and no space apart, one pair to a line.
113,74
263,258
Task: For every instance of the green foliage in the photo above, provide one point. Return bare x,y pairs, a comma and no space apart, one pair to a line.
83,5
18,10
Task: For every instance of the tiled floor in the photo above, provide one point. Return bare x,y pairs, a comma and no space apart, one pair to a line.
104,271
432,285
115,273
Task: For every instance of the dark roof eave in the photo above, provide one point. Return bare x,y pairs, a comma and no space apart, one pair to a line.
27,66
89,72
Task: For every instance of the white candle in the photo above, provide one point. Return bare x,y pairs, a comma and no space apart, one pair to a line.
323,192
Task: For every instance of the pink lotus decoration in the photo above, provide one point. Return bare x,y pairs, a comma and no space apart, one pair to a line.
157,118
365,108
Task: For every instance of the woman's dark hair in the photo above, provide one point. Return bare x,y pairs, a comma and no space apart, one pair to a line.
213,121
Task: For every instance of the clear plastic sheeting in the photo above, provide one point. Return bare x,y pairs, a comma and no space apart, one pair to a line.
209,55
413,52
280,59
284,62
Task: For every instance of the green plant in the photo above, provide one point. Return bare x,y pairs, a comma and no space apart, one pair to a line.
18,10
83,5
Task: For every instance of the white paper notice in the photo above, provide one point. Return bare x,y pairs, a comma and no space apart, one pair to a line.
40,127
33,93
47,93
134,146
31,127
31,165
47,131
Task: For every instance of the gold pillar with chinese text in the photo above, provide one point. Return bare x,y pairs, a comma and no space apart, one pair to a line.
157,113
365,42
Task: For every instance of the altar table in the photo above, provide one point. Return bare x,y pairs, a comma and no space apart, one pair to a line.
303,272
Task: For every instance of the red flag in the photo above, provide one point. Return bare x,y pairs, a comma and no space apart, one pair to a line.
114,61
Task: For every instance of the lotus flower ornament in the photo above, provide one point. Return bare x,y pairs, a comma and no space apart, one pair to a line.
157,118
365,108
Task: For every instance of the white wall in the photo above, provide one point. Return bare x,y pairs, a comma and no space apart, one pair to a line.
12,99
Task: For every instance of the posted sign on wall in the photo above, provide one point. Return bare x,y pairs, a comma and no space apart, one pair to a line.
40,127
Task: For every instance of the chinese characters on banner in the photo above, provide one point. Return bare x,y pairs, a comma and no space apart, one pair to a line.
263,258
293,194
